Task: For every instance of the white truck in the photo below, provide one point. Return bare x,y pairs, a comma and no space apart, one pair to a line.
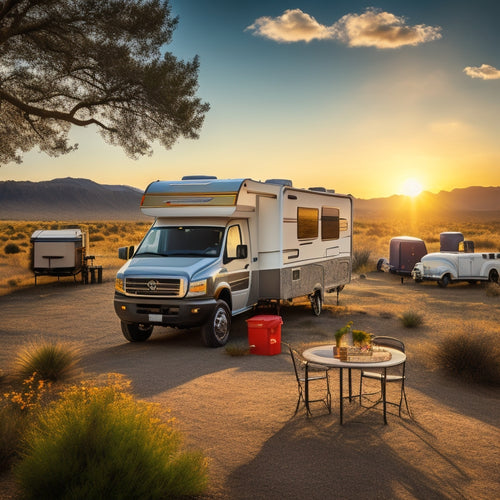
219,246
447,267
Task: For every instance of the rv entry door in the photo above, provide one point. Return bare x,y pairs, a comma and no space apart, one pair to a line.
237,263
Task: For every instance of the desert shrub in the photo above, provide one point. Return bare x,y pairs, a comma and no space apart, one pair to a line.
411,319
11,429
12,283
99,442
17,407
237,349
11,248
360,259
493,290
51,361
472,357
97,237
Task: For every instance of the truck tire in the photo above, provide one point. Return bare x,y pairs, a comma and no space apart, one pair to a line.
215,332
316,303
493,276
444,281
136,332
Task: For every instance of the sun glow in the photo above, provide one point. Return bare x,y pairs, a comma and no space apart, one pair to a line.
411,187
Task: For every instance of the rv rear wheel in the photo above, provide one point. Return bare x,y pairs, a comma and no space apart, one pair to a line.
317,303
136,332
215,331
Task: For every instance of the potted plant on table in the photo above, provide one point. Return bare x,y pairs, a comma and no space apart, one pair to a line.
363,341
339,338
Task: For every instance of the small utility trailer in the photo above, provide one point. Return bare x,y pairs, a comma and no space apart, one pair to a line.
59,252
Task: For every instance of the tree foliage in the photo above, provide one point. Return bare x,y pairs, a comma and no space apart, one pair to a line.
93,62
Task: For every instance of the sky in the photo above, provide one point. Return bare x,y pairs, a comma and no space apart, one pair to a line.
371,99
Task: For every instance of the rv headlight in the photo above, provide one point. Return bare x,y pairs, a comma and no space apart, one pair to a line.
197,288
119,285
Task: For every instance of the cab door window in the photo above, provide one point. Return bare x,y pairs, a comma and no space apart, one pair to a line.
232,241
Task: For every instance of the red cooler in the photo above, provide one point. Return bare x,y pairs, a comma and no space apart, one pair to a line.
264,334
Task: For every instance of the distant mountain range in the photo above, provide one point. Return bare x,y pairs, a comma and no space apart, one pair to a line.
470,201
68,199
85,200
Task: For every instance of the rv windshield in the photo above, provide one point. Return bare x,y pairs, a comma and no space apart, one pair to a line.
182,241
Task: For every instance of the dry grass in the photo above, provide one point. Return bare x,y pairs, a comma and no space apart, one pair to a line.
107,237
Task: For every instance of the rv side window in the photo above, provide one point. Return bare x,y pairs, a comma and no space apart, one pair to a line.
232,242
307,223
330,223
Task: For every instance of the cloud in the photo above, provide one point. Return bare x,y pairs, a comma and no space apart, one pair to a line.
373,28
292,26
485,72
383,30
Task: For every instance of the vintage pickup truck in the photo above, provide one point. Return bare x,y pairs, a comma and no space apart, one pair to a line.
447,267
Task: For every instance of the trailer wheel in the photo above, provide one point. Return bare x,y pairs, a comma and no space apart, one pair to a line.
136,332
216,331
493,276
316,303
444,281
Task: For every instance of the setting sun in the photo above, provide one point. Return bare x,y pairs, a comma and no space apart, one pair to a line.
411,187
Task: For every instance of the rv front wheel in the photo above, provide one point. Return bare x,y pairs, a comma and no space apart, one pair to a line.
215,331
493,276
316,303
136,332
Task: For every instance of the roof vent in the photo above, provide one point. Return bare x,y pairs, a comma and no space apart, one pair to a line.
280,182
320,189
198,177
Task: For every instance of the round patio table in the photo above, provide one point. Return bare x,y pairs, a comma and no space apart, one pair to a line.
323,355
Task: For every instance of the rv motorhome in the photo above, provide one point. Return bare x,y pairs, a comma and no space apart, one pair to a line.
218,247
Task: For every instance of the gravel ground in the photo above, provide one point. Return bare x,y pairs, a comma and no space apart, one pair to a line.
240,409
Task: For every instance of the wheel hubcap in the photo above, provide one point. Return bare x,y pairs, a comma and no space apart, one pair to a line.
220,324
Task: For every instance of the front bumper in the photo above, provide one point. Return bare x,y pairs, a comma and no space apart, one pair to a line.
183,313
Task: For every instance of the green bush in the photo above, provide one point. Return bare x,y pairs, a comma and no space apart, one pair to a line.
411,319
11,248
11,428
473,357
50,361
99,442
17,406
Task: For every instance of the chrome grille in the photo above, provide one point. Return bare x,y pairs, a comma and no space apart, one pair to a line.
161,287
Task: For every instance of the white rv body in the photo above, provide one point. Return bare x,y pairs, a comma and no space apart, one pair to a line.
277,242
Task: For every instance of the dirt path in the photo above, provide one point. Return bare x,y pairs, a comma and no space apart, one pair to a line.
239,410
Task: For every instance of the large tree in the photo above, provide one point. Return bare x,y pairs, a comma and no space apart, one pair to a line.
93,62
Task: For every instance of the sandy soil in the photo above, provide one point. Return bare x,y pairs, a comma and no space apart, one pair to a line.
240,410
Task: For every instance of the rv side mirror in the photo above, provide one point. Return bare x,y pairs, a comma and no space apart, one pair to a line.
125,253
241,251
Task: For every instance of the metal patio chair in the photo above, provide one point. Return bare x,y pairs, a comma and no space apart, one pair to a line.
305,374
396,377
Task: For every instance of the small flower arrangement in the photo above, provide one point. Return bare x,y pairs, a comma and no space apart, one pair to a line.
339,334
361,338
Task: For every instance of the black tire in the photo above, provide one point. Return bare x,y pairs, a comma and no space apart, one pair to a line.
215,332
493,276
316,303
444,281
137,332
